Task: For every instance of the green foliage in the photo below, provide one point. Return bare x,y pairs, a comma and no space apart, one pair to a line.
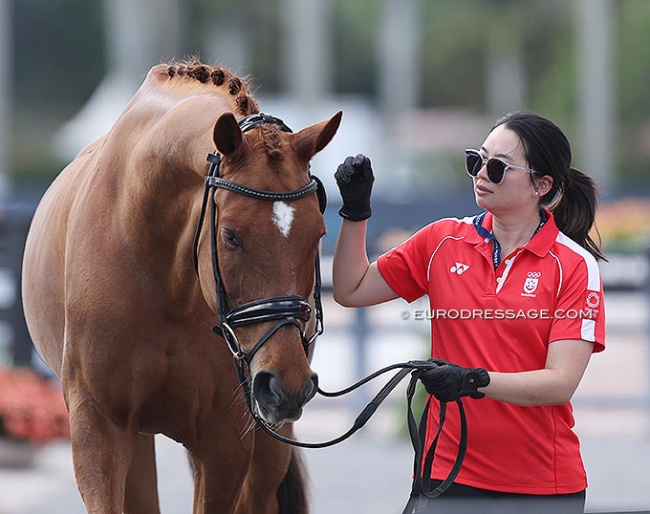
58,52
58,61
453,57
632,80
632,63
60,58
354,37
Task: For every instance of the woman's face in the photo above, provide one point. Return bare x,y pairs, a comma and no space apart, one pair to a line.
516,191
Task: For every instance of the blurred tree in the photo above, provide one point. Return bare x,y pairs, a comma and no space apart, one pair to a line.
632,80
633,64
551,64
459,37
59,53
266,40
354,36
453,35
59,59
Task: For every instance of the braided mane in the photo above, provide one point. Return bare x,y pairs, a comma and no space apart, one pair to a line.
237,87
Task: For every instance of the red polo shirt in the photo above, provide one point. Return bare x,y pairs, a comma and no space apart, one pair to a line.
503,319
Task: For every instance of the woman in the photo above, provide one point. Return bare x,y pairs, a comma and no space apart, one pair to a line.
517,310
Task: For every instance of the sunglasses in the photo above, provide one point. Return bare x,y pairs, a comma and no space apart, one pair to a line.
496,168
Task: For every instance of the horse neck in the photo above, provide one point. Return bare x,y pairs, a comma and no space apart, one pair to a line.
175,136
161,181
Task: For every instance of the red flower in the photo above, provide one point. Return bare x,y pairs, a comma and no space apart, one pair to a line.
31,407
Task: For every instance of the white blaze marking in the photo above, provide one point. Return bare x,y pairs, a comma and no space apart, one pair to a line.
283,217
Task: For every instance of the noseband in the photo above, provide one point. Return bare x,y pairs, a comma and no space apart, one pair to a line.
284,310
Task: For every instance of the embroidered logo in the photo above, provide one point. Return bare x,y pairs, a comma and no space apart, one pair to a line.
530,285
592,304
459,268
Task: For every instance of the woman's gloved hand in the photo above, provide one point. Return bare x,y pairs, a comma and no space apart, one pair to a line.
449,382
354,178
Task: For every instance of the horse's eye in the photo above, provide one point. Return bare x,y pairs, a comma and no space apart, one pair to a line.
230,238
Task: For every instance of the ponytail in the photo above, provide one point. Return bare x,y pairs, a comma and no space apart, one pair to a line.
574,210
572,199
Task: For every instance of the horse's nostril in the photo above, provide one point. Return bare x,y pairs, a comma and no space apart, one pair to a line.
266,389
276,403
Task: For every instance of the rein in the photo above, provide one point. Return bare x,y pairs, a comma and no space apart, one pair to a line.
423,462
292,309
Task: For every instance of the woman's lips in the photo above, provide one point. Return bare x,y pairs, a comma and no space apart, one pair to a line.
480,190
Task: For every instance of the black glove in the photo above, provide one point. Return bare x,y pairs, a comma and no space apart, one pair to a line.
449,382
354,178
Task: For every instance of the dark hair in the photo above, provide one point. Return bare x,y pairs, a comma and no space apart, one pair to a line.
572,199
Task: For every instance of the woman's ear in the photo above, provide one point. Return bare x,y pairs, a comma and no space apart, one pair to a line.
542,185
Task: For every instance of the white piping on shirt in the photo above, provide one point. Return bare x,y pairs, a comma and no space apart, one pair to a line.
588,328
467,220
436,251
561,271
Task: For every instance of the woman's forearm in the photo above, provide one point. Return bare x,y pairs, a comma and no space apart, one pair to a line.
553,385
350,260
356,281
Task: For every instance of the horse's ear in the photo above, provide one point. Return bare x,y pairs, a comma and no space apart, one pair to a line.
311,140
227,135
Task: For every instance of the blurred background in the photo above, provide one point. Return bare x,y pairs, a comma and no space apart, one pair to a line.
418,81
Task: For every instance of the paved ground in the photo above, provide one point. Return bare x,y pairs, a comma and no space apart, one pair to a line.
371,472
367,474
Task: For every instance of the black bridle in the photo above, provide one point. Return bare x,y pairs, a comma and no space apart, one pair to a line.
294,309
284,310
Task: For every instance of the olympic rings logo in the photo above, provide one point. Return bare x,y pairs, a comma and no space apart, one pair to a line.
534,274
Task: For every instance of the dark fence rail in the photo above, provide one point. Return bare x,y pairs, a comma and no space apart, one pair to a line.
14,224
626,272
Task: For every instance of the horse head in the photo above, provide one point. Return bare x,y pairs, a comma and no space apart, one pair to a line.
266,231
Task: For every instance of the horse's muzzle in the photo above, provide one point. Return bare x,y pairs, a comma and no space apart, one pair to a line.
274,403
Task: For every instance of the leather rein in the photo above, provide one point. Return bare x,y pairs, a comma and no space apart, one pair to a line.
292,309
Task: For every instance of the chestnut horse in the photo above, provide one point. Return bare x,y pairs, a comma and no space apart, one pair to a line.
118,308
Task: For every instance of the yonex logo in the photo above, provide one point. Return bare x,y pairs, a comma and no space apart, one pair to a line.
459,268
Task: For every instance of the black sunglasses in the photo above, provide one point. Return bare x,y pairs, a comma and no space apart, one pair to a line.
496,168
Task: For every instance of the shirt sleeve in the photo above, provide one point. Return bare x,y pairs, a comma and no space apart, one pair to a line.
405,267
580,309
